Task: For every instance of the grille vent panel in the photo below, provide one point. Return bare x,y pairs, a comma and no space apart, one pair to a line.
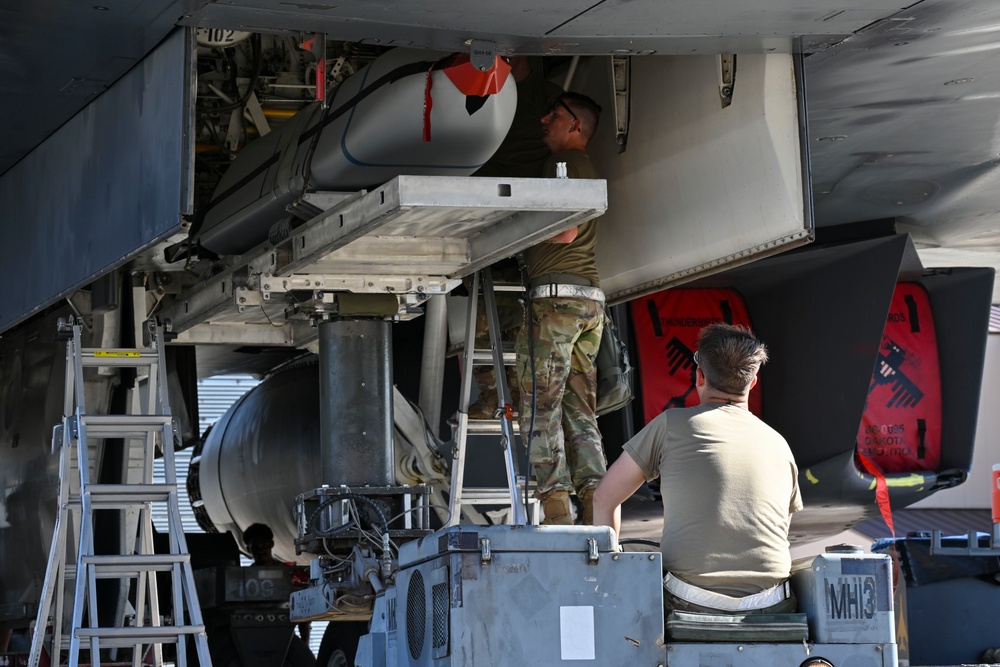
416,614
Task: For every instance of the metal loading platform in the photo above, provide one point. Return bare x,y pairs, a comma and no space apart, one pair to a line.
412,238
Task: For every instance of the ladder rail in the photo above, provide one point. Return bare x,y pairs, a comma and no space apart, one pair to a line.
462,432
460,500
519,516
147,583
55,568
86,530
185,592
95,641
145,425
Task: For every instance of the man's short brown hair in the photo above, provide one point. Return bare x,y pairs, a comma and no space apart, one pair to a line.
730,357
586,110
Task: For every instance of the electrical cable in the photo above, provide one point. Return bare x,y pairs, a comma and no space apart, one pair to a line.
420,507
269,320
529,322
639,540
366,534
342,561
311,521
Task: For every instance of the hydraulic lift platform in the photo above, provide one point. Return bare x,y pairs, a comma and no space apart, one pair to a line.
414,237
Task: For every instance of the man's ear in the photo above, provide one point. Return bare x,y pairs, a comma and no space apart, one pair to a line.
699,378
753,383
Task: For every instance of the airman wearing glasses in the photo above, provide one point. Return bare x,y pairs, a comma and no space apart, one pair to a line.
557,346
521,155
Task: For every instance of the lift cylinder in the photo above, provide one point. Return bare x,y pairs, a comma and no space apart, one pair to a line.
355,393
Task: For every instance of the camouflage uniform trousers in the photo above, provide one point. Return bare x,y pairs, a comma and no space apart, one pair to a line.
566,451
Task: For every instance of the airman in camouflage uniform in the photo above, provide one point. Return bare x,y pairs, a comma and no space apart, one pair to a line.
521,155
556,348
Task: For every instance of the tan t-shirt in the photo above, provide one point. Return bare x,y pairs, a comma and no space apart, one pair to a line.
577,257
729,484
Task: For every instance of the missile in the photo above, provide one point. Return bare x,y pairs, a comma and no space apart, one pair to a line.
407,112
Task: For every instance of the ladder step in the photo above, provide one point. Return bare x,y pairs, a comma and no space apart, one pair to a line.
148,634
485,358
507,287
489,427
125,420
126,357
488,496
107,566
112,496
120,426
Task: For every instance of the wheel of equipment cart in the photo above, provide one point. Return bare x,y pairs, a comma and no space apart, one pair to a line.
340,643
299,654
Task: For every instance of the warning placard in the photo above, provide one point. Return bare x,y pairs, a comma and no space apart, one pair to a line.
901,427
666,326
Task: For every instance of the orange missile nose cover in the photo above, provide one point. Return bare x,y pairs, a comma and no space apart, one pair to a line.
471,81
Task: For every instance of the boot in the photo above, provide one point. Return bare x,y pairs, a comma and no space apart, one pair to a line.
557,510
515,388
485,405
586,497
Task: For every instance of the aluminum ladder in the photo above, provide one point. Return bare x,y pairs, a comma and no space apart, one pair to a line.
146,425
462,498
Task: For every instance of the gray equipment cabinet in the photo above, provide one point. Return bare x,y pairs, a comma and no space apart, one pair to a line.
518,596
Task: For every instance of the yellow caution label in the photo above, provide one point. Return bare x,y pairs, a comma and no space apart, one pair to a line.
116,353
914,479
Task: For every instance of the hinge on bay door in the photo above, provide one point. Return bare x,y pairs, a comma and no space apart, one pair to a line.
621,67
727,78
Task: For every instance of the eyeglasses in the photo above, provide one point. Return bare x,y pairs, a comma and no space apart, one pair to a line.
562,103
697,360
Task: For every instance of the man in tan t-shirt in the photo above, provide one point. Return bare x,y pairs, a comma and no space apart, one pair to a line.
729,485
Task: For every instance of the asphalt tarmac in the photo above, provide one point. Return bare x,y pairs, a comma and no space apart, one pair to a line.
642,519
